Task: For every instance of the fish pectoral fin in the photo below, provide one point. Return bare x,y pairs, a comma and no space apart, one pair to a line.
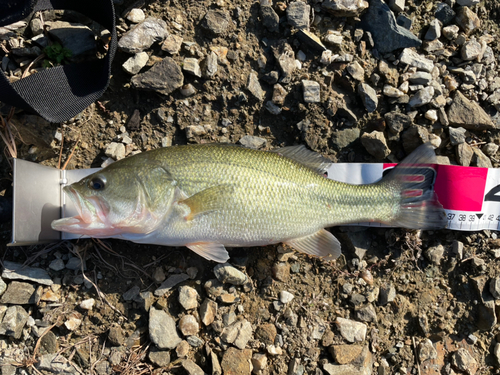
210,251
305,157
211,199
322,244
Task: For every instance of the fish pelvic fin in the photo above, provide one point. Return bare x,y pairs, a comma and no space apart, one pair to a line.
322,244
210,251
412,180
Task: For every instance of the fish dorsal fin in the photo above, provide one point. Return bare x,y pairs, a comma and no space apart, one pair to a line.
211,199
302,155
322,244
210,251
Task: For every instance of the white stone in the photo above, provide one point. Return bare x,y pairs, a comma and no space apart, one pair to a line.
87,304
134,64
286,297
136,15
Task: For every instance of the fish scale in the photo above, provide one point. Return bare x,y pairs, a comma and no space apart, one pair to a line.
210,196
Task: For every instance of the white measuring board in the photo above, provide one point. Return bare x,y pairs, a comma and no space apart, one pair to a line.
470,196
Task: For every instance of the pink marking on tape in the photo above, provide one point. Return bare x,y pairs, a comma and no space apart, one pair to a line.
460,188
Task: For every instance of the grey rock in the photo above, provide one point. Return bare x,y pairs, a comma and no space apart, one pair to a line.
252,141
451,32
189,325
168,284
495,287
464,154
345,8
367,314
238,333
172,44
226,273
164,77
420,78
471,50
273,108
115,335
404,21
208,311
397,6
56,265
216,22
57,364
195,341
297,14
387,34
333,39
489,149
132,293
412,58
19,293
188,297
464,361
134,64
422,97
426,350
496,351
3,286
468,114
191,66
350,330
210,65
434,30
312,92
143,35
254,87
468,3
368,97
396,122
16,271
481,160
444,13
78,38
162,331
270,18
286,62
457,135
13,321
192,368
356,71
435,254
467,20
160,358
387,294
116,151
375,144
413,137
344,138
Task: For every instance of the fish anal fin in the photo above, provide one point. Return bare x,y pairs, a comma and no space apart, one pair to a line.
322,244
303,156
211,199
210,251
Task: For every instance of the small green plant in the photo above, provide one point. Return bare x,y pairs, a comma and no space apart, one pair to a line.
55,55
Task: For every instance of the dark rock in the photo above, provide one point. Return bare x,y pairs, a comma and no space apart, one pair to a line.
297,14
19,293
164,77
396,122
270,19
468,114
344,138
115,335
48,343
375,144
387,34
413,137
444,13
13,322
216,21
266,333
404,21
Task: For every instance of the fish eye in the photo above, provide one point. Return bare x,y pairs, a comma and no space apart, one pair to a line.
97,183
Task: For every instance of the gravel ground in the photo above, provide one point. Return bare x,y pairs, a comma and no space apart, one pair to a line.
342,77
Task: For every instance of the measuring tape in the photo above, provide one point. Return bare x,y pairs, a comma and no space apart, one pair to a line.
470,196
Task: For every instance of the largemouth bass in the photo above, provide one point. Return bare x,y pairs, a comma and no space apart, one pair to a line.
207,197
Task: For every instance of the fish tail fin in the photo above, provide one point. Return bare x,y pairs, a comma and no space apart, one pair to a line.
412,181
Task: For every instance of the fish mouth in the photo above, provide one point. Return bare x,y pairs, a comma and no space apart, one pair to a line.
91,217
